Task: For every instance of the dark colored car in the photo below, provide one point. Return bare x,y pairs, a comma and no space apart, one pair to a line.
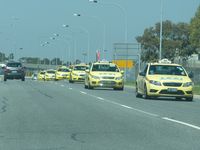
14,70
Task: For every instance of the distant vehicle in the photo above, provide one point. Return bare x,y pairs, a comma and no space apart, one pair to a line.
14,70
77,73
41,75
164,79
49,75
62,73
104,74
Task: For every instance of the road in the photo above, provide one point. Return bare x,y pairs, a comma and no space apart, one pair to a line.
38,115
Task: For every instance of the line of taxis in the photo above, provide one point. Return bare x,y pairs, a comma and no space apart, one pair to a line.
99,74
159,79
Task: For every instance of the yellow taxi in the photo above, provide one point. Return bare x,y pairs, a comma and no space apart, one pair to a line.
41,75
49,75
164,79
77,73
104,74
62,73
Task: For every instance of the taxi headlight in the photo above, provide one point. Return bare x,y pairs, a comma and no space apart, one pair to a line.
155,82
95,77
118,78
187,84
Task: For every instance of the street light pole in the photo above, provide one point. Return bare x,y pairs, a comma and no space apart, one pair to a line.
161,18
103,24
88,38
124,13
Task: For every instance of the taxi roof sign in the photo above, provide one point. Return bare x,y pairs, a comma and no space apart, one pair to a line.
165,61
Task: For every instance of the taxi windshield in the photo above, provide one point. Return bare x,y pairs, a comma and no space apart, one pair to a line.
80,68
166,70
51,72
105,67
63,70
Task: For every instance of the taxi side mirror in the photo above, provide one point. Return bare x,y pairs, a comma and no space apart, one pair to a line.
122,71
87,70
142,74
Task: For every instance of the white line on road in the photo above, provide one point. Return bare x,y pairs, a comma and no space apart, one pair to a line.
70,88
83,92
126,106
180,122
100,98
62,85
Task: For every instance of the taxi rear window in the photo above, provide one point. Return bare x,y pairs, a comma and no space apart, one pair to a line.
166,70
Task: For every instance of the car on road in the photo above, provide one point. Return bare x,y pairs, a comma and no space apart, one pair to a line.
62,73
104,74
164,79
49,75
14,70
41,75
77,73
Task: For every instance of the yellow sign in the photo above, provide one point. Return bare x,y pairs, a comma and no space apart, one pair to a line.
124,63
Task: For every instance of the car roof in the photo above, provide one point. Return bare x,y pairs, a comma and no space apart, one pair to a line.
104,62
163,64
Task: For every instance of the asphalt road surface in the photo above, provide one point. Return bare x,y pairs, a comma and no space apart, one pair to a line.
38,115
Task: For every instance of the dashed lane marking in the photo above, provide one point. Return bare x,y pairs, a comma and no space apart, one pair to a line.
83,92
181,122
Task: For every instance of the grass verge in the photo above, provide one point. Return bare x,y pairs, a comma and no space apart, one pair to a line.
196,89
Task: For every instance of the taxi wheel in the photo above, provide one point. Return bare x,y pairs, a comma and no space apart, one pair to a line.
70,81
119,89
86,87
189,98
145,95
136,92
89,86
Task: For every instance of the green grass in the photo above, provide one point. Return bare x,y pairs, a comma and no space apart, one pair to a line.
196,89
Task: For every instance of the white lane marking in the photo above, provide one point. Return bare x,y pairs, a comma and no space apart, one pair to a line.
126,106
62,85
181,122
70,88
100,98
83,92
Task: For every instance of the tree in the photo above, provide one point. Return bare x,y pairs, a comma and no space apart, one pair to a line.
195,30
175,42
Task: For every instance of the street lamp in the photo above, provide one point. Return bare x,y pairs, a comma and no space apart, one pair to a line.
124,13
104,26
161,18
88,38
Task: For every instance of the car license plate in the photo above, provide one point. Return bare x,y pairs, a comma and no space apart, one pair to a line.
172,90
14,71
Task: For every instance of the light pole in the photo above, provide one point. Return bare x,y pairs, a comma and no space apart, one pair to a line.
74,42
161,18
88,40
124,13
103,24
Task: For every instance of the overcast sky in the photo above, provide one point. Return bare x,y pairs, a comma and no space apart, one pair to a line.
29,23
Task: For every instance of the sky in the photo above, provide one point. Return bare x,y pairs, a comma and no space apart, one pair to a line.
25,25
